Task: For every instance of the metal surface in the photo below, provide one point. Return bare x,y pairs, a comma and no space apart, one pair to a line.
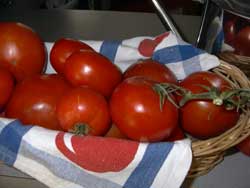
238,7
203,19
166,18
210,25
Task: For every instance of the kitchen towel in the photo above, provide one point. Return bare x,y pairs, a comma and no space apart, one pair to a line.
179,56
64,160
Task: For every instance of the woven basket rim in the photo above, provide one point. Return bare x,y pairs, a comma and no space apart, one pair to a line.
232,57
208,153
228,133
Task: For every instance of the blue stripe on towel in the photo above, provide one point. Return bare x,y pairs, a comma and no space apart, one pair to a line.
146,171
176,53
109,49
10,139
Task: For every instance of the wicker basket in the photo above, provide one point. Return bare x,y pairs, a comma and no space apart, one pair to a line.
208,153
242,62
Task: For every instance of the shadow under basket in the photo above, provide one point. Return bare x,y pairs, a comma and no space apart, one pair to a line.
210,152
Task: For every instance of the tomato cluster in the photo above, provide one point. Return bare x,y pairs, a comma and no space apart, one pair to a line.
89,94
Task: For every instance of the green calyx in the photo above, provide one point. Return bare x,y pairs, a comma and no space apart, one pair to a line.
80,129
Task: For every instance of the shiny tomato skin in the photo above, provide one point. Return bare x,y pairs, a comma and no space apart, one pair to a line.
244,146
230,31
7,83
62,49
22,51
152,70
135,110
34,100
194,80
94,70
84,106
201,118
242,42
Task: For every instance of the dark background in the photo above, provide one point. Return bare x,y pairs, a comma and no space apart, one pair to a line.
174,6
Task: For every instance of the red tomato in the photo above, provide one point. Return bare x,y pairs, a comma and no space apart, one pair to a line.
230,31
6,86
62,49
34,100
151,69
22,51
84,111
135,110
242,42
114,132
202,118
2,114
244,146
177,134
92,69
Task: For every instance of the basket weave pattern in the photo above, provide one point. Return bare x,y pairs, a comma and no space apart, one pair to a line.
208,153
242,62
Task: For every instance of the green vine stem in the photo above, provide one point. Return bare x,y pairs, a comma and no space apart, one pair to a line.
231,98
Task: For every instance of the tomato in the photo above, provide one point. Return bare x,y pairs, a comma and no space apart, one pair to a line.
177,134
6,86
242,42
135,110
34,100
114,132
92,69
2,114
244,146
22,51
62,49
201,118
230,31
84,111
151,69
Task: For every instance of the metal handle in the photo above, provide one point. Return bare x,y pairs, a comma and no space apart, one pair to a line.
166,19
199,42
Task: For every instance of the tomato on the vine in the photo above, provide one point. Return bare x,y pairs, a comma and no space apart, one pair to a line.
34,100
6,87
22,51
201,118
62,49
94,70
83,111
152,70
136,110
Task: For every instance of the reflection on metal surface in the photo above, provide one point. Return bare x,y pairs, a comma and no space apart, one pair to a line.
166,18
